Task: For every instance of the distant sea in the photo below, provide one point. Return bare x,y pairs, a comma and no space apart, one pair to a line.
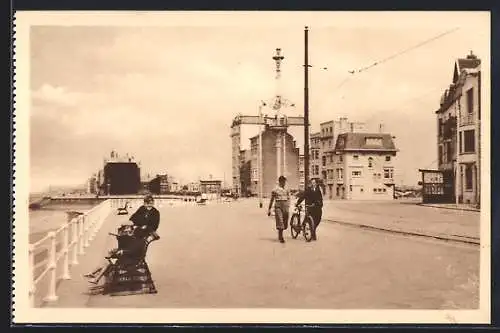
51,217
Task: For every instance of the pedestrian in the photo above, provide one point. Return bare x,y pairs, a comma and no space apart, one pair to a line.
281,198
314,202
147,217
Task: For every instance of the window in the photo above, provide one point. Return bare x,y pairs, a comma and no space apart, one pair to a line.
355,157
324,160
449,151
385,190
361,189
356,173
468,177
470,101
331,158
316,169
387,158
460,135
341,158
337,191
374,190
373,141
350,188
370,162
440,154
388,173
329,143
469,141
440,127
340,173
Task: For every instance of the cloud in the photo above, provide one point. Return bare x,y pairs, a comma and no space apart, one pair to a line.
59,96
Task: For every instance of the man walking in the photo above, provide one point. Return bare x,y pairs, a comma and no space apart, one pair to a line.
314,203
281,196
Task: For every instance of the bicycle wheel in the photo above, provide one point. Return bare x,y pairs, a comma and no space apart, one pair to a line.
295,225
307,228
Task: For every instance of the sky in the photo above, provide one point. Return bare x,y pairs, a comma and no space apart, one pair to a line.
167,94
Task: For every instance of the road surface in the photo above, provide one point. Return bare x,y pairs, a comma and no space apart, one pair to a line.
226,255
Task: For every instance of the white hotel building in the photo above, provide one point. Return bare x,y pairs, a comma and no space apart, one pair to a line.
364,168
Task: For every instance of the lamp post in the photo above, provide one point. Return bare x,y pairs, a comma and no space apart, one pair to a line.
261,177
306,108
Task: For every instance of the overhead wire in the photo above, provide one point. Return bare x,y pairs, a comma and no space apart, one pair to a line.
391,57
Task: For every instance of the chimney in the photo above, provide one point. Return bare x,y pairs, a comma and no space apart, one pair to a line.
471,55
381,128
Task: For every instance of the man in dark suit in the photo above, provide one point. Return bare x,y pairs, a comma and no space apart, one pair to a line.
314,201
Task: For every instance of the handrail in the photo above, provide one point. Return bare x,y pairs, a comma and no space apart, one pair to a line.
76,236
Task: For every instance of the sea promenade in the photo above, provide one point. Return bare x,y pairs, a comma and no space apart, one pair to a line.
369,255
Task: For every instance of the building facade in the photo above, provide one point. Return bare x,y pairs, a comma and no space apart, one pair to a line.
211,186
364,166
458,140
159,185
325,144
269,162
246,176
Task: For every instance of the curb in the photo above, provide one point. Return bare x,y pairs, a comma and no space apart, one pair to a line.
451,208
458,239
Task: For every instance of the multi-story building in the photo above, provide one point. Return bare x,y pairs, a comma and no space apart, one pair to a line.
459,126
194,187
173,185
159,184
121,175
364,168
328,135
269,162
210,186
92,185
315,156
246,175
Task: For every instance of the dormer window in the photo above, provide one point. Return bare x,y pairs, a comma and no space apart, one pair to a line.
373,141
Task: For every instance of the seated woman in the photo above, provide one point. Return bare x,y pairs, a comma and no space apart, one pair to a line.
147,217
132,240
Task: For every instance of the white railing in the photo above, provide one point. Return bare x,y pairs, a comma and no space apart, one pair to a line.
60,250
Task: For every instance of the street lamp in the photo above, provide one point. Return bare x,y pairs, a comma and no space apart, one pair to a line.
262,104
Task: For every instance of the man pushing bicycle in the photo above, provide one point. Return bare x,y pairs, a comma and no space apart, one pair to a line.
314,203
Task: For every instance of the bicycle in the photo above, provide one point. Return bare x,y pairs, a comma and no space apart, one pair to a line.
306,226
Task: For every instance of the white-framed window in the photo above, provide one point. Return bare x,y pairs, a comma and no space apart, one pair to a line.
388,173
370,162
356,173
355,157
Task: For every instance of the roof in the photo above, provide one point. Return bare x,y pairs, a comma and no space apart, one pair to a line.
353,141
468,63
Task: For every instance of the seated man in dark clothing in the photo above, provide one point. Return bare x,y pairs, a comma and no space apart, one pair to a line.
147,218
314,201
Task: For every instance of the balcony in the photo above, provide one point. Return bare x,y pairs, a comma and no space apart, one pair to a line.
467,119
448,128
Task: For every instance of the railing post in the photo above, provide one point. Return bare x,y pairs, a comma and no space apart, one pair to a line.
32,289
81,233
65,274
51,296
74,240
86,231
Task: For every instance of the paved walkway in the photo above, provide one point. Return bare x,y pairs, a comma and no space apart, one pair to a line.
225,255
407,217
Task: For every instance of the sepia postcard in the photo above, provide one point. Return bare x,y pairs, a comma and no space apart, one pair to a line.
252,167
